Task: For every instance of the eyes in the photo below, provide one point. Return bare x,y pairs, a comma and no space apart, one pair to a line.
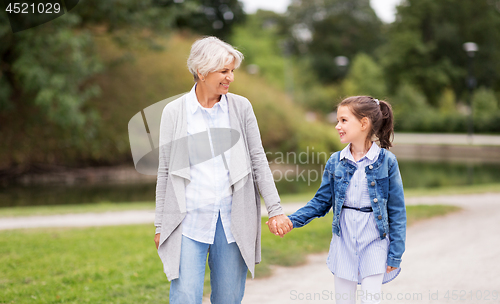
343,120
225,71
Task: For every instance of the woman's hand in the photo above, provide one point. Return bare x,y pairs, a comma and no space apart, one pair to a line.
157,240
390,268
279,225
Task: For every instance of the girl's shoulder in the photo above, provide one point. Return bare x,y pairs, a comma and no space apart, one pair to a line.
387,158
334,157
388,155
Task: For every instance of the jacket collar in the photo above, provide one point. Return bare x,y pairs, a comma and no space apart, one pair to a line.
193,105
372,154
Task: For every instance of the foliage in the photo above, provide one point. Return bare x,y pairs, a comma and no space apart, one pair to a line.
425,45
264,45
129,87
364,78
212,17
259,40
48,72
486,110
447,101
323,30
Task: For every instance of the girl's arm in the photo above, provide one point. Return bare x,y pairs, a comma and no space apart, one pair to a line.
319,205
396,211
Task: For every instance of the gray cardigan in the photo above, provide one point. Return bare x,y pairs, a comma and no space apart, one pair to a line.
248,170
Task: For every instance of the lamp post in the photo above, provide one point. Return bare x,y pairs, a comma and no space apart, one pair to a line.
342,62
471,49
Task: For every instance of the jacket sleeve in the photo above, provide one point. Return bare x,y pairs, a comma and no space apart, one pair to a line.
396,212
319,205
263,176
165,140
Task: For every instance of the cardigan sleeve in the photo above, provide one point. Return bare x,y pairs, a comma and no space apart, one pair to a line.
263,176
166,136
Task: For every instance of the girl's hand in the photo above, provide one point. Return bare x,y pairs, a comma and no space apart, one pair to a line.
390,268
157,240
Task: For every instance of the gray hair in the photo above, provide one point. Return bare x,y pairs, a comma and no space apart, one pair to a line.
210,54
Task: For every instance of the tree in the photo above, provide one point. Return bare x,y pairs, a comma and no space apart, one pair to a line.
425,46
365,78
336,28
47,71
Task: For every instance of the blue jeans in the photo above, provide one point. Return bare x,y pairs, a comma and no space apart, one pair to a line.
228,271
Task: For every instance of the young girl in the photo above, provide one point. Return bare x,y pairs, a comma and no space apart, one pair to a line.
362,184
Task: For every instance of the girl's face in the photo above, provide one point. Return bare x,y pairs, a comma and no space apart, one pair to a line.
350,128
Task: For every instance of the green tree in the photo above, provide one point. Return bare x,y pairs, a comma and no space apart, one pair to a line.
365,78
47,71
259,40
337,28
425,45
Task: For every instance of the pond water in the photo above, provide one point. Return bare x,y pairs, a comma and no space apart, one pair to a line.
415,175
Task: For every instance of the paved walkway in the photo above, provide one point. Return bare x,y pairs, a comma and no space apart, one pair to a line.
96,219
446,139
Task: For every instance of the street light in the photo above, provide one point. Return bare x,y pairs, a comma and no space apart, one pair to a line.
471,49
342,62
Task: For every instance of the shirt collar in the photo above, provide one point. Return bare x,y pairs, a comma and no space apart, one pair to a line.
193,104
372,154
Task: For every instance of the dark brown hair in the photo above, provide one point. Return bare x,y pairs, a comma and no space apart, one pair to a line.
380,116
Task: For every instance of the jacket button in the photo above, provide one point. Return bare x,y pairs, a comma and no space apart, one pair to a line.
379,217
370,167
384,234
375,200
373,184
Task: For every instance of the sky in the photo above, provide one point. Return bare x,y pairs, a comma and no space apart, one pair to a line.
385,9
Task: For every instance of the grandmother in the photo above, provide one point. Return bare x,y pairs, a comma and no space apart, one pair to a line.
211,205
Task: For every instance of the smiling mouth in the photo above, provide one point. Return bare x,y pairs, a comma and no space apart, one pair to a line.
225,85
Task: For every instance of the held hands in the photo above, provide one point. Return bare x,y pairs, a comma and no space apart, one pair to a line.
279,225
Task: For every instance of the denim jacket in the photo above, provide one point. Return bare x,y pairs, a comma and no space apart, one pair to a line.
386,195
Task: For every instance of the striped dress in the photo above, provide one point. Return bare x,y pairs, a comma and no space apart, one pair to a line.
359,252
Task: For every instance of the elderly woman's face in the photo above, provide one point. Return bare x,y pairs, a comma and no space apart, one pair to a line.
218,82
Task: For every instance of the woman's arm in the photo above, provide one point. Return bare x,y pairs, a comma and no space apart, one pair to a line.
260,165
396,212
278,223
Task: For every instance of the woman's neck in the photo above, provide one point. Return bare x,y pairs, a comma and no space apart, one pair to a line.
206,99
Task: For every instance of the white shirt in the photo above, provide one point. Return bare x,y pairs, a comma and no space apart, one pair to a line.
209,191
359,252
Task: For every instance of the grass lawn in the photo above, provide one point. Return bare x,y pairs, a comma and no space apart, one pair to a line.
120,265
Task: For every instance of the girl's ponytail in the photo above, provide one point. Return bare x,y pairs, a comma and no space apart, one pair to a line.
385,132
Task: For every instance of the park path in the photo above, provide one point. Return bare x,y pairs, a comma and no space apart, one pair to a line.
97,219
451,256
